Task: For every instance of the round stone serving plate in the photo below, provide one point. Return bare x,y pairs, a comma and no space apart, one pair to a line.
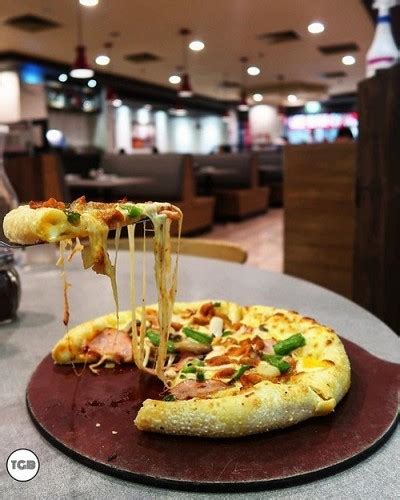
90,418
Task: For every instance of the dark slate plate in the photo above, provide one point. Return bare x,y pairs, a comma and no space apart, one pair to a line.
66,409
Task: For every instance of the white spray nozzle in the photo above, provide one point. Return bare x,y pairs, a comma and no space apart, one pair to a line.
384,4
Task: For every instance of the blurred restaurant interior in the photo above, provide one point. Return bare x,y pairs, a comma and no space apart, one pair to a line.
273,126
255,117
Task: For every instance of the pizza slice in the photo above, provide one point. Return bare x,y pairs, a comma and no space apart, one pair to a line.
229,370
55,221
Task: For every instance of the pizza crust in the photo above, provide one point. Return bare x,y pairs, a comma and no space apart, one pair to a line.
69,349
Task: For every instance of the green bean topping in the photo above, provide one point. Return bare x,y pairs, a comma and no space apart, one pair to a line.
154,338
169,397
240,372
189,369
200,337
200,376
263,328
226,333
132,210
288,345
73,217
195,362
277,361
217,304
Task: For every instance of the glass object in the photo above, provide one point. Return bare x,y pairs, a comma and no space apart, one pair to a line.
10,287
8,197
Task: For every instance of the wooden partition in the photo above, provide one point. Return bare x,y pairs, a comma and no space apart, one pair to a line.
319,200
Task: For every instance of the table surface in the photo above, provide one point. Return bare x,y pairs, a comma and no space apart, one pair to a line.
107,181
25,342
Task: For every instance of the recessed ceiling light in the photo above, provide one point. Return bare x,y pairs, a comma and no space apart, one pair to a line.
196,45
102,60
81,73
348,60
316,28
257,97
116,103
92,84
63,77
292,98
89,3
253,70
174,79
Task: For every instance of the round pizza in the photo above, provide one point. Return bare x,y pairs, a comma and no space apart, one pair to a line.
229,370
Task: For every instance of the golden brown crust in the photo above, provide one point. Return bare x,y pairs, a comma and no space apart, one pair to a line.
321,381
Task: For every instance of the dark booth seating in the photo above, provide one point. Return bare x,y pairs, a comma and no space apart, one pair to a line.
172,180
271,173
234,181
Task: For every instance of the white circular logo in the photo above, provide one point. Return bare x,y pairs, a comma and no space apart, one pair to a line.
22,465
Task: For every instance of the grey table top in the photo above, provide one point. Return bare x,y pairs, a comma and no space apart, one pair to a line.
25,342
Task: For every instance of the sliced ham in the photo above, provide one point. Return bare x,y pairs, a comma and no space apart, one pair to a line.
191,389
268,346
115,343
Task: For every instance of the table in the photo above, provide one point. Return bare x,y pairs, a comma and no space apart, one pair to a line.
105,182
25,342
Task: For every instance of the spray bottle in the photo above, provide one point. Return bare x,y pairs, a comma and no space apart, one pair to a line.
383,52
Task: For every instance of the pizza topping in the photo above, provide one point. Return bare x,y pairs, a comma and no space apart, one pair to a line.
154,338
113,343
189,389
73,217
250,379
216,326
176,326
224,373
131,210
257,343
219,360
200,337
288,345
50,203
277,361
194,347
247,360
269,346
240,372
207,309
200,377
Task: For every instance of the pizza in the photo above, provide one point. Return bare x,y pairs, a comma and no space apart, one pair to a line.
229,370
54,221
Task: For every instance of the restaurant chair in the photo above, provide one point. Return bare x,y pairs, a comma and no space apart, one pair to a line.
213,249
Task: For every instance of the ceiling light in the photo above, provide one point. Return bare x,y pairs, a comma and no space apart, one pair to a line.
81,68
257,97
253,70
348,60
54,136
92,84
117,103
89,3
174,79
186,88
63,77
316,28
102,60
196,45
292,98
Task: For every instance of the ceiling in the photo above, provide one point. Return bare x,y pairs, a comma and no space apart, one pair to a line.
229,28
